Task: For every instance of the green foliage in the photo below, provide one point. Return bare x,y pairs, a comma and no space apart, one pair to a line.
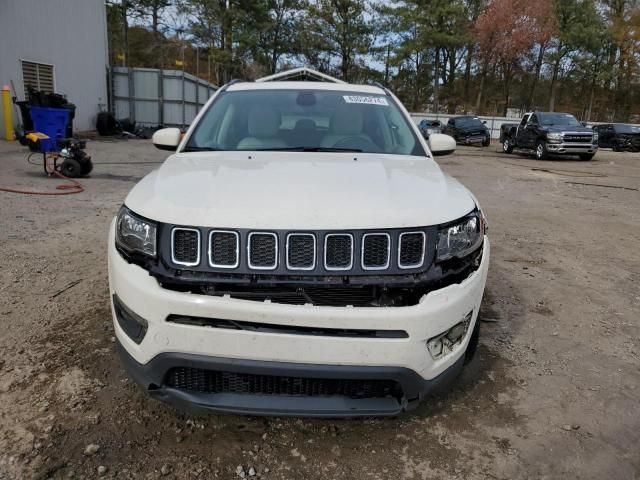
480,56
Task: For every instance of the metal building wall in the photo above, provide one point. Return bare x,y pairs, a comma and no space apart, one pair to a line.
69,34
157,97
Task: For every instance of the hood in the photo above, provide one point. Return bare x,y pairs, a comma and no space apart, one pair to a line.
473,128
568,128
294,190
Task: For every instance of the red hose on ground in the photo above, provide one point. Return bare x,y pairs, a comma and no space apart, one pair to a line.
67,189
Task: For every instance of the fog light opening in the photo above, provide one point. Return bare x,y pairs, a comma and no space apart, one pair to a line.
447,341
133,325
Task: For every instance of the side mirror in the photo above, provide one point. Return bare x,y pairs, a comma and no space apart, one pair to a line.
441,144
484,121
167,139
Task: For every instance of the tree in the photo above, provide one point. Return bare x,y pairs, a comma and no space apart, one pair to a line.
279,32
341,30
506,31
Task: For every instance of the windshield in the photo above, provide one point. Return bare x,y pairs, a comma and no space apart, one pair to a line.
469,122
551,119
624,128
306,120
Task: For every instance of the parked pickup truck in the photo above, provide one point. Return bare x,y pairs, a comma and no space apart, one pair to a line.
546,133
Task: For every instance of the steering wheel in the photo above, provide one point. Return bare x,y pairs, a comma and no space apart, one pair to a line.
357,143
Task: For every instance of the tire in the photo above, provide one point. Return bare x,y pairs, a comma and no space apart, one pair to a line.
506,146
616,148
71,168
86,167
541,150
486,143
586,156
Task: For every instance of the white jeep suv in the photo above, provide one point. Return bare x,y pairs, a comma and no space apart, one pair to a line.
301,253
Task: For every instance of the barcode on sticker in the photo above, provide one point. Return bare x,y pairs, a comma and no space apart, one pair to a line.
365,100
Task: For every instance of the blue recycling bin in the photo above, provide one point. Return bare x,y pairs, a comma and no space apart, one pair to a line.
53,123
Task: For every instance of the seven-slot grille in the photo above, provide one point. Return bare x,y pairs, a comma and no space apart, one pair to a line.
301,251
338,251
224,249
185,246
376,248
319,252
263,250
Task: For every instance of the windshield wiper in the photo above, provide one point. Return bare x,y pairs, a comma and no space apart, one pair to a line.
200,149
308,149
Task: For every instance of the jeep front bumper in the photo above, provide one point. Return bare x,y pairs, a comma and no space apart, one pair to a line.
270,358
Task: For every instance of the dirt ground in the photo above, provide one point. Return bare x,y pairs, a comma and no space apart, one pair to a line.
553,393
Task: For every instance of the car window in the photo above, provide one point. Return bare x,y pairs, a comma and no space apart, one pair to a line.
533,120
626,128
305,119
469,122
559,119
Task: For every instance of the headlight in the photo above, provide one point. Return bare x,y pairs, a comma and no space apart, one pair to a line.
135,234
596,135
555,137
460,239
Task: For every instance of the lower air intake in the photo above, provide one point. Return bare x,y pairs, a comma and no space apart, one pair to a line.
211,381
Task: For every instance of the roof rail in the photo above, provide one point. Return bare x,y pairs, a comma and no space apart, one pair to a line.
229,83
384,89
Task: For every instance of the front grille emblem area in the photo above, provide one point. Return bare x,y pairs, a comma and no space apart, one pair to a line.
262,250
185,246
301,251
224,249
376,249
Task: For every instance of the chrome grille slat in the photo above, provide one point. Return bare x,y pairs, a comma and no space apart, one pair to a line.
301,251
262,250
185,246
338,251
224,249
375,251
411,249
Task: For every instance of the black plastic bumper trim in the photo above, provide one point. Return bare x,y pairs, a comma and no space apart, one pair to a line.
150,377
285,329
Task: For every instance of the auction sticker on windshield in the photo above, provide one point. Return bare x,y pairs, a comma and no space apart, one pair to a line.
366,100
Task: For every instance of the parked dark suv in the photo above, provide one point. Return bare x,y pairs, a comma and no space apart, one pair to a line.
468,130
619,136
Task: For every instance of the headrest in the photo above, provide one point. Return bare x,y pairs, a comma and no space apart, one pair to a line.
263,122
305,125
347,120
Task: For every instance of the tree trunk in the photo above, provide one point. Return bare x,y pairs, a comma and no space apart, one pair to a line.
554,85
479,98
125,31
467,78
536,77
436,80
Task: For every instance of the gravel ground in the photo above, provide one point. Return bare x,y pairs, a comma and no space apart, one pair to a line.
554,391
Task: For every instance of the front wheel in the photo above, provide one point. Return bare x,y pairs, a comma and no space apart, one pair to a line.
586,156
486,143
541,150
507,147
